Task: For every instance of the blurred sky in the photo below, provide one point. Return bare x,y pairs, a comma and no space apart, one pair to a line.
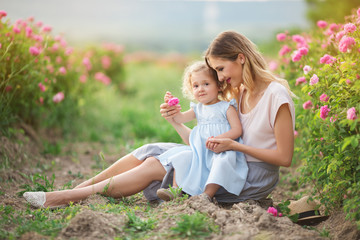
159,24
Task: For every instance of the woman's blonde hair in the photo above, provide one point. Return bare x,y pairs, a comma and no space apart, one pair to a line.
228,45
202,66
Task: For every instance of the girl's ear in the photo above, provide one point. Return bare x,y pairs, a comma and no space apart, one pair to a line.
241,58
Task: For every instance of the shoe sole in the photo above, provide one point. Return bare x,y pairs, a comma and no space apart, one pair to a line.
164,196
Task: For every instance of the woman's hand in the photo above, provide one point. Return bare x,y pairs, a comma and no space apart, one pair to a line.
219,145
168,112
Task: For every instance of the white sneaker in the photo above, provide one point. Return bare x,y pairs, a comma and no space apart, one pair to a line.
36,199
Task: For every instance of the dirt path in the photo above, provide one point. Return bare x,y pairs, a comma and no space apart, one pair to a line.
247,220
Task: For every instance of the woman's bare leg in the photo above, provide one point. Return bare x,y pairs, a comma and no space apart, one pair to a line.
122,185
120,166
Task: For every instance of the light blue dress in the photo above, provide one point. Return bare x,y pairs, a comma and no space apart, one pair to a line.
196,166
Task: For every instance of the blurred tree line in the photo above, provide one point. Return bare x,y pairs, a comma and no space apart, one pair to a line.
330,10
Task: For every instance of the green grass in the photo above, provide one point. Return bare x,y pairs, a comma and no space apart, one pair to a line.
131,118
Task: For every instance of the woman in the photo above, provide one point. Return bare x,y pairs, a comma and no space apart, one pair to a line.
267,116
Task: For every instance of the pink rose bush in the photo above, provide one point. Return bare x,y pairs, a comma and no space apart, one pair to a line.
327,108
48,77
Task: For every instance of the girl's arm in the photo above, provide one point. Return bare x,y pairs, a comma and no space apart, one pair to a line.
184,117
235,124
284,135
235,131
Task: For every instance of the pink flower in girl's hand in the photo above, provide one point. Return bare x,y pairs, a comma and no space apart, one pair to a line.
173,101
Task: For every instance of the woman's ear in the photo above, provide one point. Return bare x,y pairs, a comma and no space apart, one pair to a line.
241,58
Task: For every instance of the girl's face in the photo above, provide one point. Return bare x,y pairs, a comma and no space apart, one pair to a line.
204,88
229,71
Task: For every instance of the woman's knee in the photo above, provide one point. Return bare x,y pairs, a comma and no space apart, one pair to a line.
154,166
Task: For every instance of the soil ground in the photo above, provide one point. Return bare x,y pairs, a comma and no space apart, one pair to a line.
247,220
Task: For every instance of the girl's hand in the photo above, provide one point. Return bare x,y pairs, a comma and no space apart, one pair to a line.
210,145
219,145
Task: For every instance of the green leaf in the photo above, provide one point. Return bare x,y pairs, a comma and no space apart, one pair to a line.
346,142
354,142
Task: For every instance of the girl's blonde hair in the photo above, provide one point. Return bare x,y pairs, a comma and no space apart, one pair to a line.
228,45
202,66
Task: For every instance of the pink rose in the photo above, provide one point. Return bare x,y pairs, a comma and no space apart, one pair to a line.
324,97
173,101
62,70
303,51
349,27
34,51
300,80
28,31
346,43
83,78
321,24
2,14
324,111
106,62
307,104
273,65
101,77
273,211
47,28
296,56
306,69
327,59
339,35
58,97
334,27
298,39
281,37
351,114
87,63
314,80
42,87
284,50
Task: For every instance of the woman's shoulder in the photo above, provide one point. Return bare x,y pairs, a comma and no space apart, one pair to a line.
277,89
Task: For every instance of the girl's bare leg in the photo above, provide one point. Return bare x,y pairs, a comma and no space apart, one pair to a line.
121,185
211,189
120,166
174,181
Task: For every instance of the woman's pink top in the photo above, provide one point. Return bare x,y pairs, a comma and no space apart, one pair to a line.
258,124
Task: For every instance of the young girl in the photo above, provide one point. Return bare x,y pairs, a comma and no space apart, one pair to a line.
198,169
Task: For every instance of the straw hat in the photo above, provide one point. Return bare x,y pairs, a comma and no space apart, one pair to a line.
306,208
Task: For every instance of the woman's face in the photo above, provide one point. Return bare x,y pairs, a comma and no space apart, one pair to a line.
229,71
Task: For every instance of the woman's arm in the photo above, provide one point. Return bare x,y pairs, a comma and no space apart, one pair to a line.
168,112
284,135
